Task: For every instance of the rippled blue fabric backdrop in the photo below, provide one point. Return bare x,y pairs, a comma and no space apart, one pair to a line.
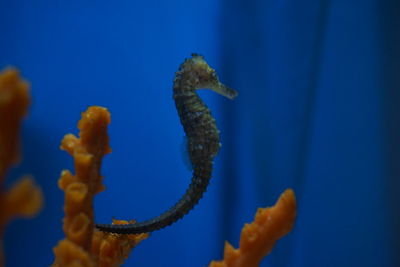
318,111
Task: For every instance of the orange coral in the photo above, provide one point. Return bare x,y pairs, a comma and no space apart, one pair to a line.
112,249
83,245
24,198
258,238
14,103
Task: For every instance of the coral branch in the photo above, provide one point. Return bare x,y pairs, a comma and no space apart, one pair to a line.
83,245
111,249
14,103
24,198
258,238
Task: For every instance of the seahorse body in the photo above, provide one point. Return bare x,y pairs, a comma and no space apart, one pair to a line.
203,141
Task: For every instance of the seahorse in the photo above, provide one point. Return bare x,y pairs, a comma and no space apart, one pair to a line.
203,141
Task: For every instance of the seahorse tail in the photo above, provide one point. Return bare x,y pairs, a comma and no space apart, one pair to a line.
198,186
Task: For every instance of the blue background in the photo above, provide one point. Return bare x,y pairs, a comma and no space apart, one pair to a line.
318,110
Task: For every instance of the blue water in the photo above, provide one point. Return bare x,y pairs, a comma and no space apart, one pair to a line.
318,111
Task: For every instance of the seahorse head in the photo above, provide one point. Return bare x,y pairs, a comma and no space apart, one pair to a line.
203,76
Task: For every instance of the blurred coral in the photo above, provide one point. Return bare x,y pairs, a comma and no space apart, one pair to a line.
83,245
258,238
24,199
14,103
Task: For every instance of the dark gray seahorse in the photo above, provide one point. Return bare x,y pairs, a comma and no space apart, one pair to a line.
203,141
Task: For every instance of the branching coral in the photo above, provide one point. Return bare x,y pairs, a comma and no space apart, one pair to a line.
258,238
84,246
24,198
112,249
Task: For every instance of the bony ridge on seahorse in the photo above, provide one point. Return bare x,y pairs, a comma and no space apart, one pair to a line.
203,141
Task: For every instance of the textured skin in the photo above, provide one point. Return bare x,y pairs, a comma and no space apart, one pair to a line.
203,141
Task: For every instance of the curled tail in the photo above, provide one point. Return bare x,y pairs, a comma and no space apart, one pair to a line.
203,141
192,196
